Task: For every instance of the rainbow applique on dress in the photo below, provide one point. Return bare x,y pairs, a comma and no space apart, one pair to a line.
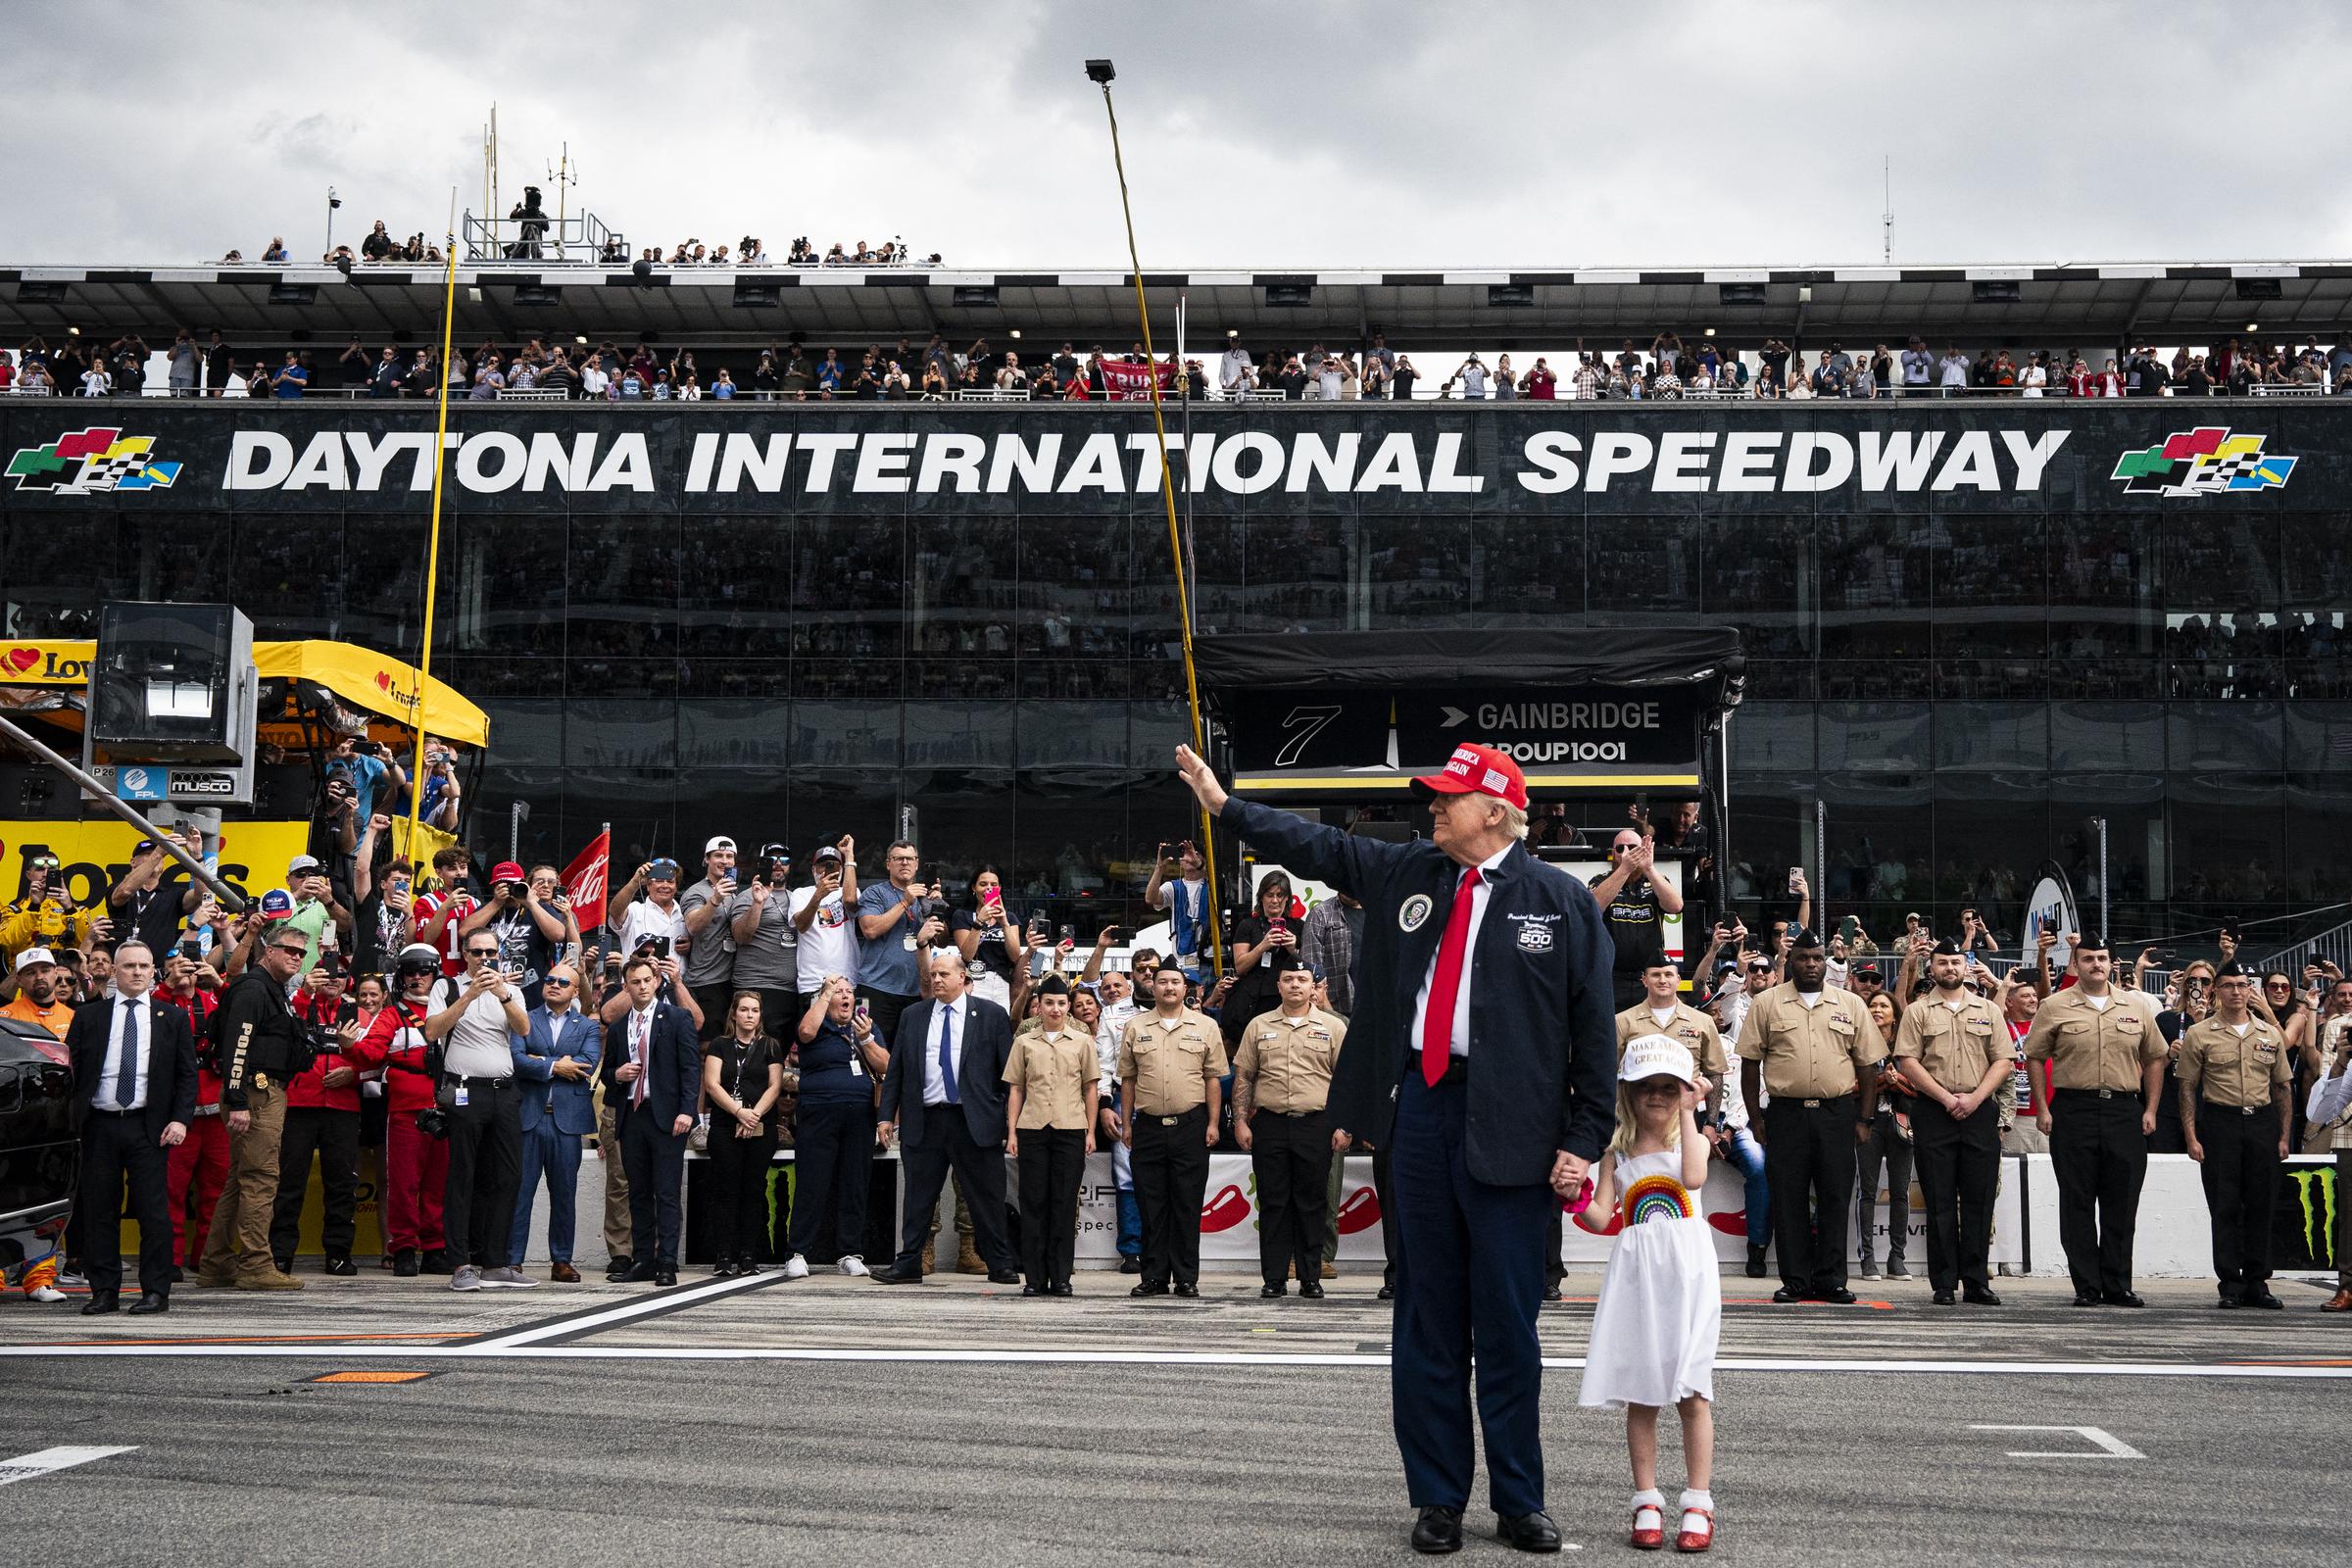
1658,1197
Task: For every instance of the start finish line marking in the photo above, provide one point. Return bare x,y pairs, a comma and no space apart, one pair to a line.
2106,1443
33,1466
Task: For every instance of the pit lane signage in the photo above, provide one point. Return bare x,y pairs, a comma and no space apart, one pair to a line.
1411,731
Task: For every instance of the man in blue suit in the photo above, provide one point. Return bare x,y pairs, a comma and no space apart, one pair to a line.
1483,1054
555,1062
944,1095
650,1070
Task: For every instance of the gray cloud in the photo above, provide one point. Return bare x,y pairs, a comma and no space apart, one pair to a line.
1308,134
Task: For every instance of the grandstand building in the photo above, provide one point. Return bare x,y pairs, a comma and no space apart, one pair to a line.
1971,624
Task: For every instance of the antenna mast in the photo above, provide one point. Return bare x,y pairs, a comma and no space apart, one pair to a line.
1886,217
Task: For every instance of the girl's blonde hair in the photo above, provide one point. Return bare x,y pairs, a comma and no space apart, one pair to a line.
1627,1128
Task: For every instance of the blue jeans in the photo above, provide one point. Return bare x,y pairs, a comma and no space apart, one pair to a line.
1131,1213
1740,1149
557,1154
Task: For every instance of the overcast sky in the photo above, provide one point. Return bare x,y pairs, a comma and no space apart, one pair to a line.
1284,134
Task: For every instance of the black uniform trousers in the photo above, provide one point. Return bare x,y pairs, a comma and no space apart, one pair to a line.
1171,1162
833,1160
715,999
2240,1173
948,1142
654,1159
1809,1160
485,1174
115,1145
1959,1164
1291,1158
1052,1160
333,1136
737,1189
2100,1157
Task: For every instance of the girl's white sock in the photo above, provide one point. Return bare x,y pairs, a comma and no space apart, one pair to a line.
1653,1498
1693,1498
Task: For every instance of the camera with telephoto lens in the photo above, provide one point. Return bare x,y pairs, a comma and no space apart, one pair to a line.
433,1122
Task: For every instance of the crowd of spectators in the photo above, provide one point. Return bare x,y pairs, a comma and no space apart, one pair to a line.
937,371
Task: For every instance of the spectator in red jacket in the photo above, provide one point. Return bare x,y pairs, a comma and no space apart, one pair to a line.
198,1165
416,1162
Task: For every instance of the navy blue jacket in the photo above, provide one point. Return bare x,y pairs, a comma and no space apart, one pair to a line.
573,1099
1543,1028
673,1067
983,1045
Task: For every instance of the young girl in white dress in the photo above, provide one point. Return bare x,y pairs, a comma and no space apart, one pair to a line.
1661,1305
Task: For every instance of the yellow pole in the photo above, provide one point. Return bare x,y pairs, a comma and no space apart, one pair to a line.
1167,491
432,549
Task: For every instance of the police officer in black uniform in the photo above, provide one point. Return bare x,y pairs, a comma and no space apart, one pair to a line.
262,1046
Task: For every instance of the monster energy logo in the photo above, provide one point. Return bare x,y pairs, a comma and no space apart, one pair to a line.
2319,1221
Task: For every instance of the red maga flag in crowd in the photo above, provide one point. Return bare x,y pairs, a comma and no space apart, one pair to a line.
585,880
1123,380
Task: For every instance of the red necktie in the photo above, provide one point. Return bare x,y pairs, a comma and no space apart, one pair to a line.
1437,1027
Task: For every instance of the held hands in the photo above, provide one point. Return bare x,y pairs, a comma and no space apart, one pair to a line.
1568,1173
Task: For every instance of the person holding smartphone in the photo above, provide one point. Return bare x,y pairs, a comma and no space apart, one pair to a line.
475,1017
1635,898
897,922
990,940
709,954
833,1139
766,947
1265,942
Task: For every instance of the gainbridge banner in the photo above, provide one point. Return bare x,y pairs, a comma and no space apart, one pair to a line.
95,854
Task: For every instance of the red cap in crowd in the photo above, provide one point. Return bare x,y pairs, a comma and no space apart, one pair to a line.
1477,770
506,871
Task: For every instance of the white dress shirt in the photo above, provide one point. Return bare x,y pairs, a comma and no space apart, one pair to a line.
1480,896
935,1082
111,1070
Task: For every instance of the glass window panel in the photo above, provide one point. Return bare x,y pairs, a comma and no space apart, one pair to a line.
2106,610
1772,737
959,734
1990,589
2229,737
1757,573
737,573
1881,850
1874,737
1075,592
641,735
1981,737
2220,561
622,593
2319,837
1296,574
2132,805
503,583
1074,855
849,588
959,588
718,733
2319,736
844,735
1416,571
1072,735
2227,838
1991,836
1639,566
2107,736
1531,571
1874,598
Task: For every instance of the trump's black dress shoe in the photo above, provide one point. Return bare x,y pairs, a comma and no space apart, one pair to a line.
1529,1531
1183,1288
101,1301
1003,1276
1438,1529
1979,1295
150,1301
2124,1299
1838,1296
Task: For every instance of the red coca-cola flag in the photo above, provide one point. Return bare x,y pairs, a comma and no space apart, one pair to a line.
586,878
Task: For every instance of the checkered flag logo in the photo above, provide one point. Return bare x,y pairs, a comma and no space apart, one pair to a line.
2211,460
92,462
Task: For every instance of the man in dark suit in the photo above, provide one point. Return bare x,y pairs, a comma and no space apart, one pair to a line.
134,1093
1483,1054
650,1071
943,1096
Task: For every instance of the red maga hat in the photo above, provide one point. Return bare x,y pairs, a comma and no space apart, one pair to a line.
1477,770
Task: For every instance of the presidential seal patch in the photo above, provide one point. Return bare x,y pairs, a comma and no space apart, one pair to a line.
1413,911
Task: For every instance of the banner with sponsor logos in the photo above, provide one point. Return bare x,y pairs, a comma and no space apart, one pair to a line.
1600,458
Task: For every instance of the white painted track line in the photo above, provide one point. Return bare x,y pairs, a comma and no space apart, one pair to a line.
493,1351
48,1461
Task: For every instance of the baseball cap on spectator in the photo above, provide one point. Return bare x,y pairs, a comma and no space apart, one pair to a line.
506,871
301,865
144,847
1475,769
775,851
34,958
278,903
826,852
1656,1056
721,842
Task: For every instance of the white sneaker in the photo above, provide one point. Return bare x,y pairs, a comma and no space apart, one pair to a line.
853,1265
796,1267
513,1279
44,1292
66,1276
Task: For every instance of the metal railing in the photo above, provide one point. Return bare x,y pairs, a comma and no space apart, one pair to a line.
572,240
2334,946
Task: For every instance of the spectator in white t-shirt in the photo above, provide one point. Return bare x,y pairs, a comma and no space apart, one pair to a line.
657,915
820,915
